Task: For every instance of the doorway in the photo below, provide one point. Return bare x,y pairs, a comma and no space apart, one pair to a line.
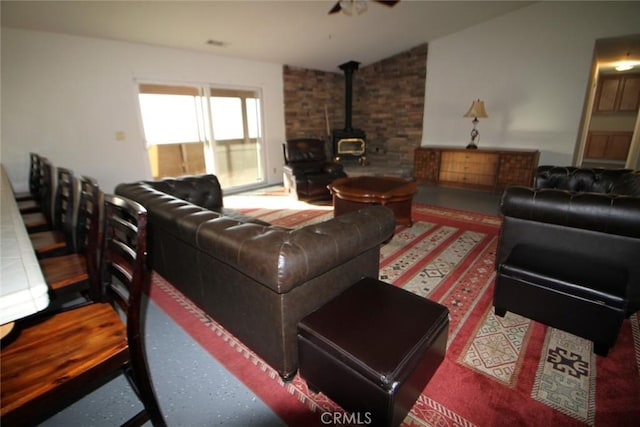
610,135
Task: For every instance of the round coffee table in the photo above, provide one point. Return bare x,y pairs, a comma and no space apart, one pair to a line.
351,194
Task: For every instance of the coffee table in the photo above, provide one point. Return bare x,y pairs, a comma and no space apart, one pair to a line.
353,193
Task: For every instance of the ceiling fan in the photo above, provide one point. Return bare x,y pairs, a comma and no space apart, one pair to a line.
358,6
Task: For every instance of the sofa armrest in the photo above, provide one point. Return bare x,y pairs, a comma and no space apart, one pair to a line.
304,168
606,213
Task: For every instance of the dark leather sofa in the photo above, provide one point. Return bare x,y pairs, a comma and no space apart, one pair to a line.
257,280
569,251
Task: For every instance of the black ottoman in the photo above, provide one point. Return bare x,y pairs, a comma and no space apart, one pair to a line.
372,349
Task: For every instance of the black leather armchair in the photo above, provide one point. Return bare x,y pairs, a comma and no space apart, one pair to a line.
569,251
307,171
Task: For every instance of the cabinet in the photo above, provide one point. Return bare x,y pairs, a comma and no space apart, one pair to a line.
516,168
426,164
471,168
616,94
485,169
607,145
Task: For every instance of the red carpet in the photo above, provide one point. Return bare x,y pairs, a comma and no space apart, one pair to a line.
498,371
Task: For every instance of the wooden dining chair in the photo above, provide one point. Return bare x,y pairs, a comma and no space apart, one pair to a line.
43,219
60,239
76,274
29,201
55,361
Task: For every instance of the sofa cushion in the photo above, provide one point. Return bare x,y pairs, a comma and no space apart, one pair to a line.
629,184
283,259
569,273
594,180
607,213
201,190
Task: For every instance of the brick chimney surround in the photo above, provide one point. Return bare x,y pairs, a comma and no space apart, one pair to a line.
388,104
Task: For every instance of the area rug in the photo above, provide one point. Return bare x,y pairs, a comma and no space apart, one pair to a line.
497,371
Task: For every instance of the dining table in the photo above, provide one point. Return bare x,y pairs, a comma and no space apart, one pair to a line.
23,289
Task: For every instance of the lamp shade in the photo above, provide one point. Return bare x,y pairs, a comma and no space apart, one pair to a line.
476,110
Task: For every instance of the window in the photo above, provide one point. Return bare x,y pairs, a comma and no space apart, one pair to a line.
194,130
227,118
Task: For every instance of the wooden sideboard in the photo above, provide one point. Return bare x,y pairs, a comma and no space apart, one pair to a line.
483,169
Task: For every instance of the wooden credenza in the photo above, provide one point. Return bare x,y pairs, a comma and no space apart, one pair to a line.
483,169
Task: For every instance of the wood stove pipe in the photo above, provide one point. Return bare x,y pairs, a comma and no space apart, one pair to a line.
348,68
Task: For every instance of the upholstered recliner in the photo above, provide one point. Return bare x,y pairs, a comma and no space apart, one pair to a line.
569,251
307,171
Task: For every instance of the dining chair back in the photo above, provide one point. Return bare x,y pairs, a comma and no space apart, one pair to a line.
47,189
64,208
34,185
34,173
76,274
59,359
60,239
126,279
41,219
88,232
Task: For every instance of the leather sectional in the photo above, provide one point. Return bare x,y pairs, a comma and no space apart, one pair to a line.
257,280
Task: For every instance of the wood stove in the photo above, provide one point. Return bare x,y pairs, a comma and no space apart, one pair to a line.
349,142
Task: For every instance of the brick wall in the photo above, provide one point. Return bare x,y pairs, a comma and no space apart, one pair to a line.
310,99
388,104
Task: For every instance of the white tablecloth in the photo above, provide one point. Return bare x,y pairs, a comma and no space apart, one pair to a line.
23,290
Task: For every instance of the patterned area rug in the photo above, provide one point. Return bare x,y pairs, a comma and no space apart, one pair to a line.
497,371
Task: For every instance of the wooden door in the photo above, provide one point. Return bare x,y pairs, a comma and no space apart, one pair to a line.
630,94
606,94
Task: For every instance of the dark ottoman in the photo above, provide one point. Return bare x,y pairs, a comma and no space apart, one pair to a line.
372,349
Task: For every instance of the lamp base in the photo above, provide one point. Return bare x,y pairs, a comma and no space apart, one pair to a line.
472,146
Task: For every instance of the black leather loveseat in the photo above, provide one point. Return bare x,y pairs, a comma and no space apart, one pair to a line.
569,251
257,280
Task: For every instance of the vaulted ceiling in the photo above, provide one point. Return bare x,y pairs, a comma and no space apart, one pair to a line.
293,32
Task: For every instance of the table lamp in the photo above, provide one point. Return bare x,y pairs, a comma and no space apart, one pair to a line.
476,110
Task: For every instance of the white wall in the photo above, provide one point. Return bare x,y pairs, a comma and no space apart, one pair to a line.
531,67
65,97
